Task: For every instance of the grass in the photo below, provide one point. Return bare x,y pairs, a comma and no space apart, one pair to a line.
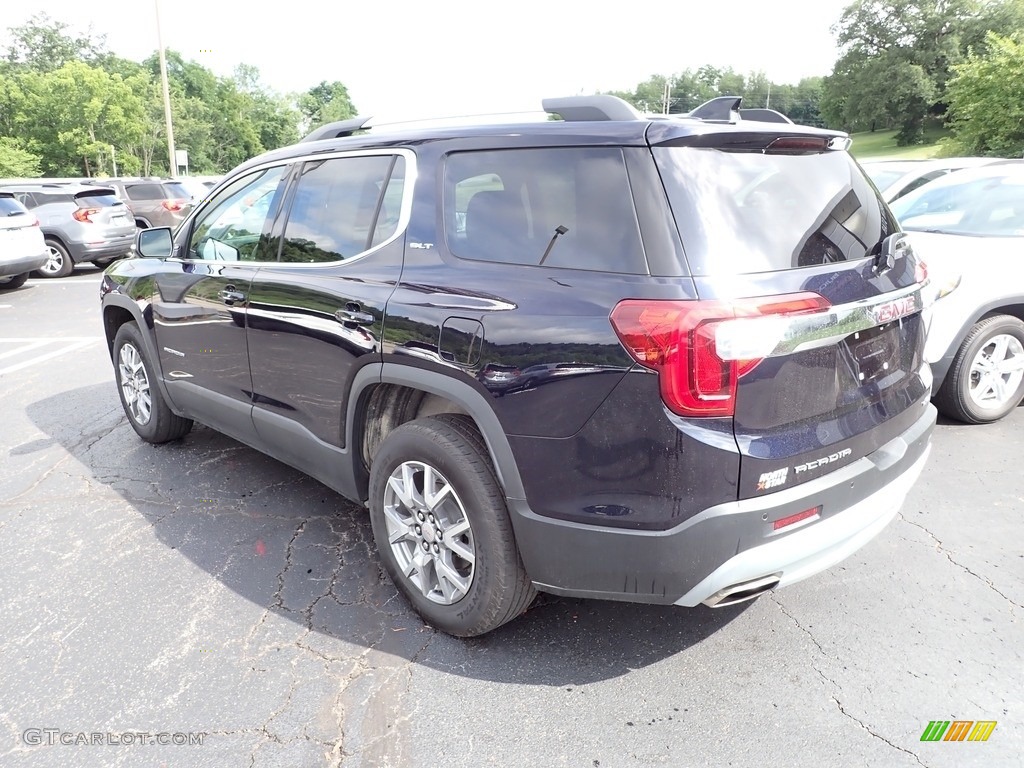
881,145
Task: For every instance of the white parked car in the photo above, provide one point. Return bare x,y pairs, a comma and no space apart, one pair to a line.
968,227
896,178
22,248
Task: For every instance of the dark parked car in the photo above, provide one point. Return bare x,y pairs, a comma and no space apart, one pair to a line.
723,313
80,222
154,202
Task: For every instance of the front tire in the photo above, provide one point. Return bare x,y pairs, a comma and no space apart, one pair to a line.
145,407
986,380
14,281
442,528
59,263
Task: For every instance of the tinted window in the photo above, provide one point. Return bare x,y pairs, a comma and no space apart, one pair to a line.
234,225
48,198
176,191
341,207
97,199
10,207
507,206
745,212
144,191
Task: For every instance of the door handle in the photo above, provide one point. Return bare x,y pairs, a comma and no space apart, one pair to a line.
354,316
229,295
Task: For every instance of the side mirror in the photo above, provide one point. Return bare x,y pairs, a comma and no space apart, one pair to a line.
154,243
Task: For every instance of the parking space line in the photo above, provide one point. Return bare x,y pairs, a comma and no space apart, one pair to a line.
26,348
49,355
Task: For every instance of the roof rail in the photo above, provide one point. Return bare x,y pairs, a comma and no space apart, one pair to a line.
338,129
601,106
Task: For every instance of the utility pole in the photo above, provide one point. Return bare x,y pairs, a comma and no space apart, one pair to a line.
667,96
171,160
768,101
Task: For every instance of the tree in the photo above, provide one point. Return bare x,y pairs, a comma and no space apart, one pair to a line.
76,113
16,162
44,44
325,103
986,99
897,57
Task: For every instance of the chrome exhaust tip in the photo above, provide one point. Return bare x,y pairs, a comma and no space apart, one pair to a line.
745,590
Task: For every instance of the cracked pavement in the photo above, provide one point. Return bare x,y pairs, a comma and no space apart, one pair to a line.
200,587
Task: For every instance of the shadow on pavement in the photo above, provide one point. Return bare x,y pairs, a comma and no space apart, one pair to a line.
289,544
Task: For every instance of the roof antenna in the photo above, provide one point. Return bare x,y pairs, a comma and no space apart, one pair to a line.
559,230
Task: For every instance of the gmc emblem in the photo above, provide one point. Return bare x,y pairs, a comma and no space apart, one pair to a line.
893,310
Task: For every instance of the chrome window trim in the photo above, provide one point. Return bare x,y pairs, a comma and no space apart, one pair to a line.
404,216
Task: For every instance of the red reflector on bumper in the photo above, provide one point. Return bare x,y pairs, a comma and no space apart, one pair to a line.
798,517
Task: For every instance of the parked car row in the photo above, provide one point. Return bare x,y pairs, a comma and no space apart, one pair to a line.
96,221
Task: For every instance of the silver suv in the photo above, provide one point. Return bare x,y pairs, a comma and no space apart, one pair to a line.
154,202
80,222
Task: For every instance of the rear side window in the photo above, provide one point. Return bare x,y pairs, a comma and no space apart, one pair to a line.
746,212
342,207
568,207
10,207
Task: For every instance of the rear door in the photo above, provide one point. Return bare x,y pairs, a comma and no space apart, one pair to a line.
822,335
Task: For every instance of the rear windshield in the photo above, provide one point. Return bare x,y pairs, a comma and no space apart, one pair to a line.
98,198
10,207
747,212
176,190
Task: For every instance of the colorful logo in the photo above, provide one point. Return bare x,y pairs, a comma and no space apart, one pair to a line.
958,730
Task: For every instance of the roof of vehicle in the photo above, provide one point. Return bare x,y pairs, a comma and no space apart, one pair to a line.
592,120
64,187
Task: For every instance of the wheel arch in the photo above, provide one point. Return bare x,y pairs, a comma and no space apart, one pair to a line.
118,310
1012,305
386,395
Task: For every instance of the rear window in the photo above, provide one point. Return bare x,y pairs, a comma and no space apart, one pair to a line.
747,212
570,208
176,191
98,198
10,207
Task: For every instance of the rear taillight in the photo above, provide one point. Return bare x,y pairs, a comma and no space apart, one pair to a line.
83,214
678,340
35,222
173,205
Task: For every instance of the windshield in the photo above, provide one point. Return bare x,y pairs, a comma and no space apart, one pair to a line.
745,212
883,177
991,204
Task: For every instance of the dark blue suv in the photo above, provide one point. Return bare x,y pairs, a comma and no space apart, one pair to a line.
662,360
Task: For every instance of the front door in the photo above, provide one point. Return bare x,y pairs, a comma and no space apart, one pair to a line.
199,307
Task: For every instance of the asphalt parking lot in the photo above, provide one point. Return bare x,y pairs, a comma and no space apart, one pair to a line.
199,592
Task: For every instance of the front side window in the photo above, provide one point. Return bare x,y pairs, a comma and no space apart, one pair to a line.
234,225
568,207
342,207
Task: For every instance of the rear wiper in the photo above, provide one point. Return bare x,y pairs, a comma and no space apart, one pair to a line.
559,230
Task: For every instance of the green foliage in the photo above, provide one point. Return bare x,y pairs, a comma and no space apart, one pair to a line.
687,90
16,162
326,103
65,100
986,99
898,56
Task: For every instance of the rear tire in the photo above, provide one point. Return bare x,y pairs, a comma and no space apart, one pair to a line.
15,281
986,380
442,528
59,264
145,407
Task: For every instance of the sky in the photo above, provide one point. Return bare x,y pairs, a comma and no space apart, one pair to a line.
403,60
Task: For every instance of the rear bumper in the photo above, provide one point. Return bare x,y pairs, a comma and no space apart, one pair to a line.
22,264
109,249
730,550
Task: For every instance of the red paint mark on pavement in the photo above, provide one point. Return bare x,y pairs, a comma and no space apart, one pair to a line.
261,548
